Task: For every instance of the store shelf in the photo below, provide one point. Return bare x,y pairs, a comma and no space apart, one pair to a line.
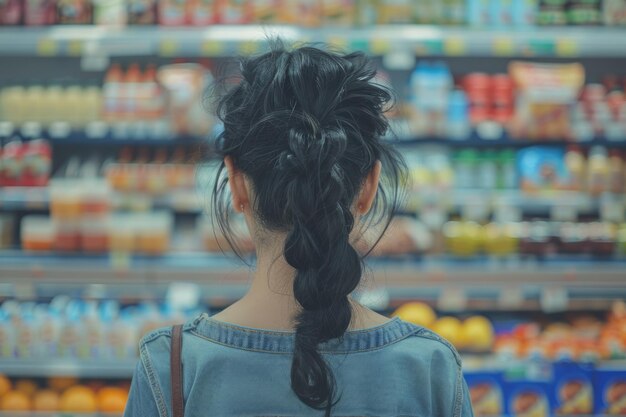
228,40
586,283
190,201
109,369
38,198
477,142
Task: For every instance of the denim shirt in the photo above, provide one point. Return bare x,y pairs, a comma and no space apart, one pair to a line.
395,369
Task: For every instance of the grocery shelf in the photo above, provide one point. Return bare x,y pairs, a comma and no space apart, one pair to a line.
225,40
486,281
54,414
81,368
191,202
505,142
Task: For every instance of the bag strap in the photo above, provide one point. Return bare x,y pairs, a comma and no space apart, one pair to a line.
176,372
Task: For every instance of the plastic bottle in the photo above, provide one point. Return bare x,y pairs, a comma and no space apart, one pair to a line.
616,172
132,86
112,92
598,175
458,123
487,170
508,173
465,169
575,163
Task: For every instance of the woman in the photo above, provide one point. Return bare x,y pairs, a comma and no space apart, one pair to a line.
305,165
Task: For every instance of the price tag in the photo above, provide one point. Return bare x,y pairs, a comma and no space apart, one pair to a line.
168,47
612,208
564,212
47,47
24,290
380,46
503,47
212,48
94,62
554,299
183,295
506,214
120,261
454,46
31,129
511,297
566,47
452,299
6,129
75,47
59,130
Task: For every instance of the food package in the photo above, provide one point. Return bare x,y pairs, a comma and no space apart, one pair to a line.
10,12
141,12
184,85
542,169
614,12
338,12
545,93
485,388
573,388
39,12
610,389
74,12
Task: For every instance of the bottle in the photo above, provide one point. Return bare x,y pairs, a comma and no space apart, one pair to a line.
458,123
598,175
508,173
575,163
488,170
616,172
465,169
112,92
131,87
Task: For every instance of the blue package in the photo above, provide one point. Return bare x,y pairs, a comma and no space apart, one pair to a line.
572,390
478,13
610,389
527,386
486,391
524,12
501,13
542,168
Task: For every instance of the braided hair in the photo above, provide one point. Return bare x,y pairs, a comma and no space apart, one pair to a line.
304,126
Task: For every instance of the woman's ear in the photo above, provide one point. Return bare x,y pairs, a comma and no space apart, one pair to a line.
369,189
237,184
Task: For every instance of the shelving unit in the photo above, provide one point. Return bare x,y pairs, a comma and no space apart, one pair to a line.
484,282
43,367
566,42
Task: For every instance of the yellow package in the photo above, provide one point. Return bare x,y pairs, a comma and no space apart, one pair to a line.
545,93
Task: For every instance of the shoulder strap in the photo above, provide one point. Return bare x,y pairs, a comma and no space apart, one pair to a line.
176,372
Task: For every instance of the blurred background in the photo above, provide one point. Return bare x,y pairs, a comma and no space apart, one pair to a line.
511,243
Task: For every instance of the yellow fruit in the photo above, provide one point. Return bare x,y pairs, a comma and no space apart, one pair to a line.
78,399
15,401
61,383
26,386
449,328
477,334
46,400
416,313
5,385
112,400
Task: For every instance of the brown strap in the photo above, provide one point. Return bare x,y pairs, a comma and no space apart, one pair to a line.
176,372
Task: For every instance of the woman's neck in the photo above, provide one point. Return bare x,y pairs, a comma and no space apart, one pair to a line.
270,304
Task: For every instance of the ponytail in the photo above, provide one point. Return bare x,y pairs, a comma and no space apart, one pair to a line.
305,127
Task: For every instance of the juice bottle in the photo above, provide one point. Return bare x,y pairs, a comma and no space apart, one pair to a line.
110,12
575,163
112,92
131,88
616,172
598,175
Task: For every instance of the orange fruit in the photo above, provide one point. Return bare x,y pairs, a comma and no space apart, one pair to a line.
449,328
15,401
5,385
416,313
112,400
477,334
26,386
78,399
61,383
46,400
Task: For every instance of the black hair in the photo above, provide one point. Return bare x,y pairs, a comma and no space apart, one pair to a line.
305,127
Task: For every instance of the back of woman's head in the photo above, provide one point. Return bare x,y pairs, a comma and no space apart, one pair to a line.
305,127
